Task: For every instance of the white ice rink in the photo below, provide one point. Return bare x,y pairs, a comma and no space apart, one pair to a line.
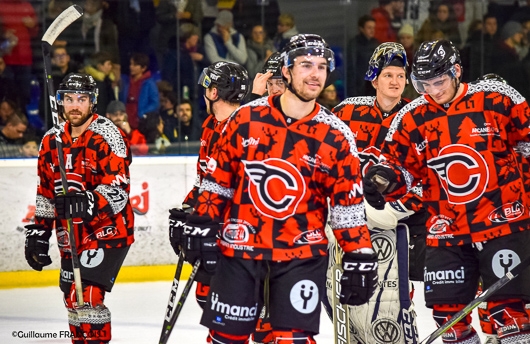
137,315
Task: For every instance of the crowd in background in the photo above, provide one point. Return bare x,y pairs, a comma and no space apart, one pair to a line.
146,56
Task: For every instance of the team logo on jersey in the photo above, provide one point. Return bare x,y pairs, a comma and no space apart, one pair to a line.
503,261
507,212
304,296
462,171
368,158
309,237
276,187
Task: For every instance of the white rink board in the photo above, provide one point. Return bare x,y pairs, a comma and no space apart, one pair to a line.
157,184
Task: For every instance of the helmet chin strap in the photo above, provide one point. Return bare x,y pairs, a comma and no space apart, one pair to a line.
292,90
210,103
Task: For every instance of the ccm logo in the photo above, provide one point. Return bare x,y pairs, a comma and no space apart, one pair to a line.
196,231
349,266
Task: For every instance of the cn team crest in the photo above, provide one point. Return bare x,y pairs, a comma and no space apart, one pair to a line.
276,187
462,171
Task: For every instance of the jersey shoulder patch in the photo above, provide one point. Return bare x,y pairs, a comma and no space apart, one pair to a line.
111,134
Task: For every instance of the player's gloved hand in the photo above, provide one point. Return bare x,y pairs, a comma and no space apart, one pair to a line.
76,204
200,234
177,221
359,279
36,247
376,183
388,217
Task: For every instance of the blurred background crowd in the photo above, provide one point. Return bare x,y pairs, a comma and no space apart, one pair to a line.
146,55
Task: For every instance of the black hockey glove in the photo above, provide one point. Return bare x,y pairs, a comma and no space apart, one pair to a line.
377,182
36,247
177,221
359,280
76,204
200,234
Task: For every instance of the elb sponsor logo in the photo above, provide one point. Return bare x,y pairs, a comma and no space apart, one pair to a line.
507,212
444,276
235,233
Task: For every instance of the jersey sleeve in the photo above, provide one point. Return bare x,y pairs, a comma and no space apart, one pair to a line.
44,207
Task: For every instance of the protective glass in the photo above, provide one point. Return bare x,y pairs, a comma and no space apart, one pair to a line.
310,52
204,79
60,95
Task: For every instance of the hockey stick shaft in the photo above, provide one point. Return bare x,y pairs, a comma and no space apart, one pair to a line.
341,317
172,296
180,304
60,23
481,298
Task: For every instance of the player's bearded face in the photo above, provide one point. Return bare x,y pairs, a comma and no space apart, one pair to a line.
77,108
309,76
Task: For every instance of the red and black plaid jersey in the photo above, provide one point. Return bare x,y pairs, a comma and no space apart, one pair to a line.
370,126
473,186
269,180
211,130
96,161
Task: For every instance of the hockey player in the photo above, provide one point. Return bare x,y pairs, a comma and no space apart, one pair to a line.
225,84
459,140
270,79
268,181
96,162
369,119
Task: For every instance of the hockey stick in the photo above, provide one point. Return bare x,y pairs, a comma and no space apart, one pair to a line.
172,295
341,317
166,331
60,23
481,298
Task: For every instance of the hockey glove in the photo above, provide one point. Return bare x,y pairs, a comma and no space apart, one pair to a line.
76,204
359,279
37,246
378,180
177,221
200,234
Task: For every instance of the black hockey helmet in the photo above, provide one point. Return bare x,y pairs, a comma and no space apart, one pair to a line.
383,56
274,65
230,78
78,83
493,77
307,45
434,59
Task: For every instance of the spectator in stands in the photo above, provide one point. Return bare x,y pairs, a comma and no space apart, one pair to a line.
506,61
168,102
192,61
138,89
134,20
11,135
223,42
61,65
8,87
328,97
98,32
406,38
30,146
285,29
167,13
152,127
387,17
19,19
443,19
117,114
188,128
360,50
247,13
259,48
100,68
7,108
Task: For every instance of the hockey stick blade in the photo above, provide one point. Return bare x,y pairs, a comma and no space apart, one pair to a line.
172,295
169,328
477,301
60,23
